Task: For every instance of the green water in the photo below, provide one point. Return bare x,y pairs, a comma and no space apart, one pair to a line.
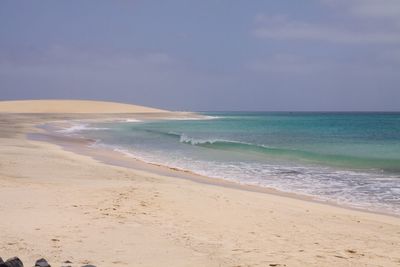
350,158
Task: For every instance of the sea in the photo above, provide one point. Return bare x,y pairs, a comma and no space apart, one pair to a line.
350,159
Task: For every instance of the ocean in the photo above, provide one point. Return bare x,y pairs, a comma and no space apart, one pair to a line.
350,159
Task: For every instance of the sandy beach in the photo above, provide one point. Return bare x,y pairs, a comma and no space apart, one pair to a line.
67,206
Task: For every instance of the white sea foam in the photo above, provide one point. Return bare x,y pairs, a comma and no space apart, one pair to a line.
132,120
202,117
78,127
183,138
190,140
127,120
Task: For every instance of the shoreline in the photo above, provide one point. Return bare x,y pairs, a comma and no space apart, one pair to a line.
62,206
83,146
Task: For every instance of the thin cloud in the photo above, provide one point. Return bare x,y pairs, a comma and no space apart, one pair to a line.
281,28
294,65
369,9
285,64
66,57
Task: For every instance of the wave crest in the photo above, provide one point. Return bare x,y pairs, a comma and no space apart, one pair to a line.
183,138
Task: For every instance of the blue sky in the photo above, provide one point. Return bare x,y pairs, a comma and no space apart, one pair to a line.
205,55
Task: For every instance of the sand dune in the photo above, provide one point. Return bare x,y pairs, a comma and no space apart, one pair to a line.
72,106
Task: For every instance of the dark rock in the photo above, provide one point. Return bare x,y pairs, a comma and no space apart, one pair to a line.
13,262
1,260
42,263
88,265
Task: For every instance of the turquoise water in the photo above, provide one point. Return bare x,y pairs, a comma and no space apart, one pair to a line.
347,158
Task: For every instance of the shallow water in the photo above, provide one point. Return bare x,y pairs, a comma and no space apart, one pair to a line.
348,158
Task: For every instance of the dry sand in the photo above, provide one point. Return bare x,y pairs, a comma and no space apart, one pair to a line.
64,206
72,106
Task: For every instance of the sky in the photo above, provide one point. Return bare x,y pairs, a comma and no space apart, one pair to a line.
199,55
